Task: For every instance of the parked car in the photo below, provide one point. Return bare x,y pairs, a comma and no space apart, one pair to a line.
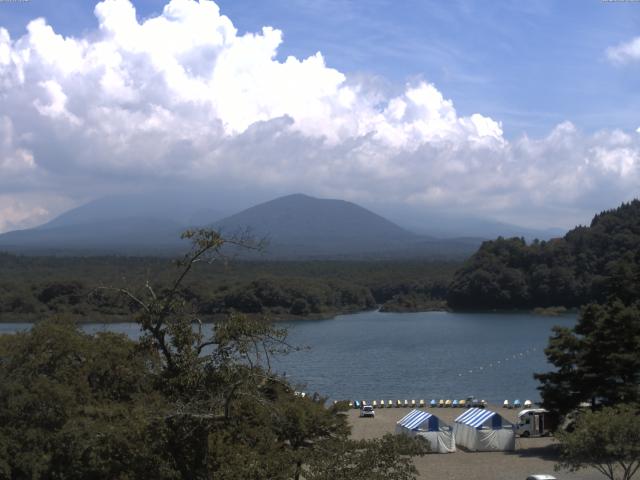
367,411
542,476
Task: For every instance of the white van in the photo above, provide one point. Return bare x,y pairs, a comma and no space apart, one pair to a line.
533,422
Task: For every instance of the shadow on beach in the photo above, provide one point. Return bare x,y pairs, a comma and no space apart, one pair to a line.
547,451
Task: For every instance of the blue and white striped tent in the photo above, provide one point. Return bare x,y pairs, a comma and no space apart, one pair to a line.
476,417
419,420
431,428
483,430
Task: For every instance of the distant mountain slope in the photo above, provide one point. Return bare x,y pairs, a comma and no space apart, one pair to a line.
446,227
587,264
174,207
436,223
321,224
297,226
140,224
137,236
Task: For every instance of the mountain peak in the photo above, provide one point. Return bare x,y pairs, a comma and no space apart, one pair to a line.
318,225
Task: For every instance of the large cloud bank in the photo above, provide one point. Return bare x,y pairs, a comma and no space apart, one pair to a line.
184,96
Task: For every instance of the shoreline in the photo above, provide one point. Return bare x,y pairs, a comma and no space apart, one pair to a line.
279,318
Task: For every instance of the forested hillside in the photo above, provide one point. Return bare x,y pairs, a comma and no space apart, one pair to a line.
586,265
34,288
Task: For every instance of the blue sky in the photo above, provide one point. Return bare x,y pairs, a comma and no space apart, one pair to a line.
521,112
529,64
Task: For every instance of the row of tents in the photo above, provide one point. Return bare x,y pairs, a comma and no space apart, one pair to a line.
477,430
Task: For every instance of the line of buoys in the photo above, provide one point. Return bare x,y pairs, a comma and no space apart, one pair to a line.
498,363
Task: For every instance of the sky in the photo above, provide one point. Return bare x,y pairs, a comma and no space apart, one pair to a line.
523,112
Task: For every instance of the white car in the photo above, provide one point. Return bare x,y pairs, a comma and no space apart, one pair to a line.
367,411
541,477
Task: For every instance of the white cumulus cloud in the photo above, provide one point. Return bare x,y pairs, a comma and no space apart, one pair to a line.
183,96
625,52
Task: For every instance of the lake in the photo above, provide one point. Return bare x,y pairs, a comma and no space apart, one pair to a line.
375,355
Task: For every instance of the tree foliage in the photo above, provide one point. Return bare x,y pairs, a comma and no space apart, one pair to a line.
180,403
598,360
588,264
78,406
607,440
386,459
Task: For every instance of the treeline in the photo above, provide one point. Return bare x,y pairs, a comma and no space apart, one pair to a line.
86,288
588,264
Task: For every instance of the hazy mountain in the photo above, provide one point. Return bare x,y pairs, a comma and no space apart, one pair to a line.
298,226
300,219
123,235
302,226
440,225
178,208
443,227
148,223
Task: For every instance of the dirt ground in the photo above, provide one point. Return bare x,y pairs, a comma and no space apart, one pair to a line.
532,455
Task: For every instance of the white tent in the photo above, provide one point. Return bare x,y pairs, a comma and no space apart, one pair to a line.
481,430
423,424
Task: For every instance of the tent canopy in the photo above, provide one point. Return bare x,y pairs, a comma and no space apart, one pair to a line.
420,420
480,417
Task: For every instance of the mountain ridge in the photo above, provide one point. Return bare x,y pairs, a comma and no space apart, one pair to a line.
298,226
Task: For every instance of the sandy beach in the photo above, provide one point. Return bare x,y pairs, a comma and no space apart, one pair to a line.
532,455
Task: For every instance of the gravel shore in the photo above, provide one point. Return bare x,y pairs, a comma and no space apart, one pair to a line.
532,455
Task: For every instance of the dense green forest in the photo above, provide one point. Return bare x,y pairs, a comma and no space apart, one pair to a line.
588,264
85,288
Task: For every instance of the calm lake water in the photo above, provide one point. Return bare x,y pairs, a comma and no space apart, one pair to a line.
374,355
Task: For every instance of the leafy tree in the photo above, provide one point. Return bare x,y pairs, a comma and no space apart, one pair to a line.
78,406
386,459
607,440
597,360
182,402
